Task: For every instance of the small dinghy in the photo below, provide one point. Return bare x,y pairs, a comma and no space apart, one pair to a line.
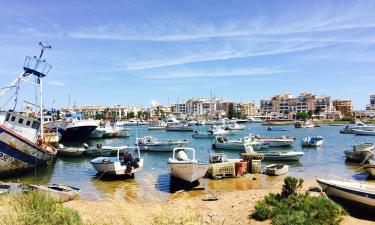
370,168
71,151
185,168
276,169
282,156
126,165
314,141
61,192
352,191
6,188
360,153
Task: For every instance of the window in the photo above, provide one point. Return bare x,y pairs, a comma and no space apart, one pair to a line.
7,117
35,125
28,123
20,121
13,118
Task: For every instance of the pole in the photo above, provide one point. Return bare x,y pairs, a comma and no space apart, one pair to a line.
41,109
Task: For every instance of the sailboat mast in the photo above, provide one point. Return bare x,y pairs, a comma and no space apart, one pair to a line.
41,108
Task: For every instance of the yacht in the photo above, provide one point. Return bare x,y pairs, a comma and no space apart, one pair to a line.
73,127
171,120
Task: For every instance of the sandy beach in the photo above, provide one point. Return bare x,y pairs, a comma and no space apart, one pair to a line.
234,205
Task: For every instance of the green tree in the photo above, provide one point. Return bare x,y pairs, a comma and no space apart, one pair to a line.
302,116
130,115
231,111
310,113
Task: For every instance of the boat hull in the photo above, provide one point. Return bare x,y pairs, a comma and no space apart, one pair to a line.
283,156
111,166
162,147
18,155
370,169
274,170
277,143
189,172
230,146
77,133
363,132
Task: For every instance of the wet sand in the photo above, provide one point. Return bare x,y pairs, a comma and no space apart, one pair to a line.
236,200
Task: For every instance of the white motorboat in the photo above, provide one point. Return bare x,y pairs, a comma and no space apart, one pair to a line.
282,156
171,120
157,126
120,130
234,127
71,151
148,143
222,142
185,168
180,127
131,122
358,126
276,169
276,142
370,168
314,141
216,122
60,192
126,165
360,153
305,124
352,191
211,133
366,132
255,120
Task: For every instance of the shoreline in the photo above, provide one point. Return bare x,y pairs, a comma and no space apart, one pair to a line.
232,206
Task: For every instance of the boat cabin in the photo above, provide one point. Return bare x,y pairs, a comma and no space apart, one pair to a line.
23,125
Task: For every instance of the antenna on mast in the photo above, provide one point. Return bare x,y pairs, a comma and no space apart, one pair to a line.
44,46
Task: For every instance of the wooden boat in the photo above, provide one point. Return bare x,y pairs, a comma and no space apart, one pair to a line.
360,153
61,192
126,165
314,141
351,191
282,156
185,168
370,168
276,169
148,143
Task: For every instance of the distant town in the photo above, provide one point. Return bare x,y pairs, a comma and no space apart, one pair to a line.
280,107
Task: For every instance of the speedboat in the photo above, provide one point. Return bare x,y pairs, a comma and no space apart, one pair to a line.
21,136
185,168
359,126
276,169
147,143
355,192
222,142
60,192
234,127
360,153
276,142
211,133
370,168
306,124
129,164
179,128
314,141
364,132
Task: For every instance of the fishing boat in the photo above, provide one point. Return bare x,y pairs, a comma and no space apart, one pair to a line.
129,164
157,126
364,132
71,151
360,153
222,142
282,156
370,168
211,132
21,135
306,124
314,141
148,143
276,141
276,129
60,192
180,127
354,192
276,169
185,168
234,127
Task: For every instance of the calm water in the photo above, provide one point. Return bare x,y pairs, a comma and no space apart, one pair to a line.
154,182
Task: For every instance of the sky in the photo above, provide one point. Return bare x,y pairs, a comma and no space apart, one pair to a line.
133,52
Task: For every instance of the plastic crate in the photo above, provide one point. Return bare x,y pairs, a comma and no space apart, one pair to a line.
225,169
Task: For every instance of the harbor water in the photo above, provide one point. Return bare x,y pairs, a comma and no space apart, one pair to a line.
155,184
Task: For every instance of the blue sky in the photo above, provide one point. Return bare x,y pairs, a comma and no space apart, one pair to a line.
133,52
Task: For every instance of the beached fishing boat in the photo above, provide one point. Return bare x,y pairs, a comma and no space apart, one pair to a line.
148,143
21,136
276,142
351,191
370,168
360,153
276,169
71,151
60,192
185,168
282,156
222,142
314,141
129,164
211,133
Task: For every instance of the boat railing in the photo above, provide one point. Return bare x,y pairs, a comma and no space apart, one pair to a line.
35,66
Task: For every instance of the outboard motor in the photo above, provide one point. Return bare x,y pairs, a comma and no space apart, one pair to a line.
131,161
85,146
99,145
